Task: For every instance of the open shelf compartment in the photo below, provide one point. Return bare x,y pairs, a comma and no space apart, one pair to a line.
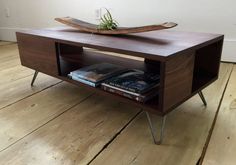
72,57
206,66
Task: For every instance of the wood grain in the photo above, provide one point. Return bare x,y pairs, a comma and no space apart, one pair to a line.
178,76
73,138
9,57
186,131
3,43
27,115
8,51
152,45
15,79
14,73
9,63
38,53
92,28
19,89
222,146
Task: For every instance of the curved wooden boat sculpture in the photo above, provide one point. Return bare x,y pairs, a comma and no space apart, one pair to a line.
92,28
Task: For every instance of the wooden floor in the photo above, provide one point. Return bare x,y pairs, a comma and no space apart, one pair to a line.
55,123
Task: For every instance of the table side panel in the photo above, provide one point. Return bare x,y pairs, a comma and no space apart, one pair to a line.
178,80
38,53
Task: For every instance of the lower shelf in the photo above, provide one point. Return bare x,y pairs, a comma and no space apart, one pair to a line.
151,105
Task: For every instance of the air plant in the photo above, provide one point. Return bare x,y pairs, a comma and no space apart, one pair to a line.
107,22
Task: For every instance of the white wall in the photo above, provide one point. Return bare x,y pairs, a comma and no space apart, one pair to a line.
214,16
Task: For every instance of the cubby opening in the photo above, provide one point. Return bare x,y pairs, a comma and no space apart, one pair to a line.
206,65
71,57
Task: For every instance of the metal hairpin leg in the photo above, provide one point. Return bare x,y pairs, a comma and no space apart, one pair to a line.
202,97
154,129
34,77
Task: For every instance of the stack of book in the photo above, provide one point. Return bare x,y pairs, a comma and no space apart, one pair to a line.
134,84
93,75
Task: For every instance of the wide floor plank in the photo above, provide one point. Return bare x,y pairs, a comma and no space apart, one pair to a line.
8,52
9,56
9,63
27,115
222,146
14,73
185,134
19,89
2,43
73,138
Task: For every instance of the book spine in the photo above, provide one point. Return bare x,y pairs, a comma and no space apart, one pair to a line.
123,87
84,81
119,89
130,96
131,89
82,75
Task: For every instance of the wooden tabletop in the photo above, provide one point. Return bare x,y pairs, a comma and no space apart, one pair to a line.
154,45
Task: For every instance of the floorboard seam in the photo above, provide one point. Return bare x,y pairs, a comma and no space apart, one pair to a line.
19,78
8,44
30,95
3,70
8,58
115,136
200,161
47,122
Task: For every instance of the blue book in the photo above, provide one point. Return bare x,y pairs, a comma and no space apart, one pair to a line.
84,81
97,72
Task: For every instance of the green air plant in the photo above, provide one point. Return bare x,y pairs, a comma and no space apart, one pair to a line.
107,22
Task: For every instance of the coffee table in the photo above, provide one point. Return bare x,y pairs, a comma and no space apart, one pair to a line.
186,61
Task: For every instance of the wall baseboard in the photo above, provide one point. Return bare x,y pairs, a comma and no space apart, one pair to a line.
9,34
229,49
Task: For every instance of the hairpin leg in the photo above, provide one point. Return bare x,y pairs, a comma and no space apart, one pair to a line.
154,129
202,97
34,77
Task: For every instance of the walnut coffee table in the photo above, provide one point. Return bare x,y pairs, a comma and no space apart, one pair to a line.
187,62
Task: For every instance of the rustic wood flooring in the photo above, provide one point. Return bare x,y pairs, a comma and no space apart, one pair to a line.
57,123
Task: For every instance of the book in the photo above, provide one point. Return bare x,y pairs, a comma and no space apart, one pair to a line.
137,97
97,72
85,81
135,81
119,89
